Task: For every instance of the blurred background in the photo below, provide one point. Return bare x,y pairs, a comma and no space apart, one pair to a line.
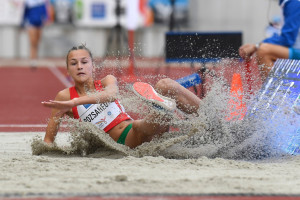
96,22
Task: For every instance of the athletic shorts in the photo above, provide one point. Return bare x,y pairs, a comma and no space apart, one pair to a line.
294,54
35,16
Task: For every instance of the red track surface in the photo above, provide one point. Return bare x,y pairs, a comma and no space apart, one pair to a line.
22,91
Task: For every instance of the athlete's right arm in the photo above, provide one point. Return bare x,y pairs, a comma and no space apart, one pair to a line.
54,120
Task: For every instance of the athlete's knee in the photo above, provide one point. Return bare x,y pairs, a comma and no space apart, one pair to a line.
166,86
164,83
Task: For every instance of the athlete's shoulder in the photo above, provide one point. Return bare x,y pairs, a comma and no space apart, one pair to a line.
108,80
63,95
110,77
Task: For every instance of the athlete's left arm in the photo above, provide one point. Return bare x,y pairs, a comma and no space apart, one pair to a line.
109,94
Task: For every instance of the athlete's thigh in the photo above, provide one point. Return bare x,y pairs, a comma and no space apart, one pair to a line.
186,100
137,135
143,131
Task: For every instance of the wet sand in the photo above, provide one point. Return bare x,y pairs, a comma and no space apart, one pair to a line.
110,172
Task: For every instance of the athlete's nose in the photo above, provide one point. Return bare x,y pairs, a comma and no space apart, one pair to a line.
79,67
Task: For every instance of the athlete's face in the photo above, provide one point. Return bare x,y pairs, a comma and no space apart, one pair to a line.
80,65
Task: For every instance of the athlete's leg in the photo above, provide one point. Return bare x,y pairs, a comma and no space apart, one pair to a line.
186,100
144,130
156,123
267,55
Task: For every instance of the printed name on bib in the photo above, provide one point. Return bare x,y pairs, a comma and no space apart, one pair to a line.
92,115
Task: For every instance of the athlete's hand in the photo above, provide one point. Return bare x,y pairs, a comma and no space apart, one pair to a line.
63,106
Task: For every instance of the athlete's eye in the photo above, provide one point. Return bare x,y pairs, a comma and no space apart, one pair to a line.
73,63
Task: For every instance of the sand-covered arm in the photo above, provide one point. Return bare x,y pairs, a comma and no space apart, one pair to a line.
54,120
109,94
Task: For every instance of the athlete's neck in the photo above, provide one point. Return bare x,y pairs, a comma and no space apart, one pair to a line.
83,88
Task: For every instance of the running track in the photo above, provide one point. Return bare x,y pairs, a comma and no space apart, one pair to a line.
22,90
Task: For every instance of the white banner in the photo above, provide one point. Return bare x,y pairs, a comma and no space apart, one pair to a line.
133,14
11,12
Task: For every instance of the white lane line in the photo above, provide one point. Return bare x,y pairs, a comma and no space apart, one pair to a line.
60,76
25,125
22,125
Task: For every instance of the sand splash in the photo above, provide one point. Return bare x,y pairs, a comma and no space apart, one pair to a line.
207,133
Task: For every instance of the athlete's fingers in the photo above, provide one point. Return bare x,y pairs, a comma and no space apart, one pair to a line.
45,103
49,104
50,101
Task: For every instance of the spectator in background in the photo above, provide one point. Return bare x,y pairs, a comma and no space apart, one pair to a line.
284,45
35,15
274,26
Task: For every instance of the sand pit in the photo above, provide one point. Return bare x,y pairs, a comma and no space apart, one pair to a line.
111,173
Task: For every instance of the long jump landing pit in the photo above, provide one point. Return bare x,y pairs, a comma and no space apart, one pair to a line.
105,175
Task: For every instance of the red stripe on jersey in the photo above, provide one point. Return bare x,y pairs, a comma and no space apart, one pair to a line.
74,94
98,85
121,117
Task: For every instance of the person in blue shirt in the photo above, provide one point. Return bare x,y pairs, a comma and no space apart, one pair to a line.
285,45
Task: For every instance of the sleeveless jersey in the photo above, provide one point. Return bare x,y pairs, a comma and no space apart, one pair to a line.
104,115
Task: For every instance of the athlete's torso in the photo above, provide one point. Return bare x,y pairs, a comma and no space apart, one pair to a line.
104,115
